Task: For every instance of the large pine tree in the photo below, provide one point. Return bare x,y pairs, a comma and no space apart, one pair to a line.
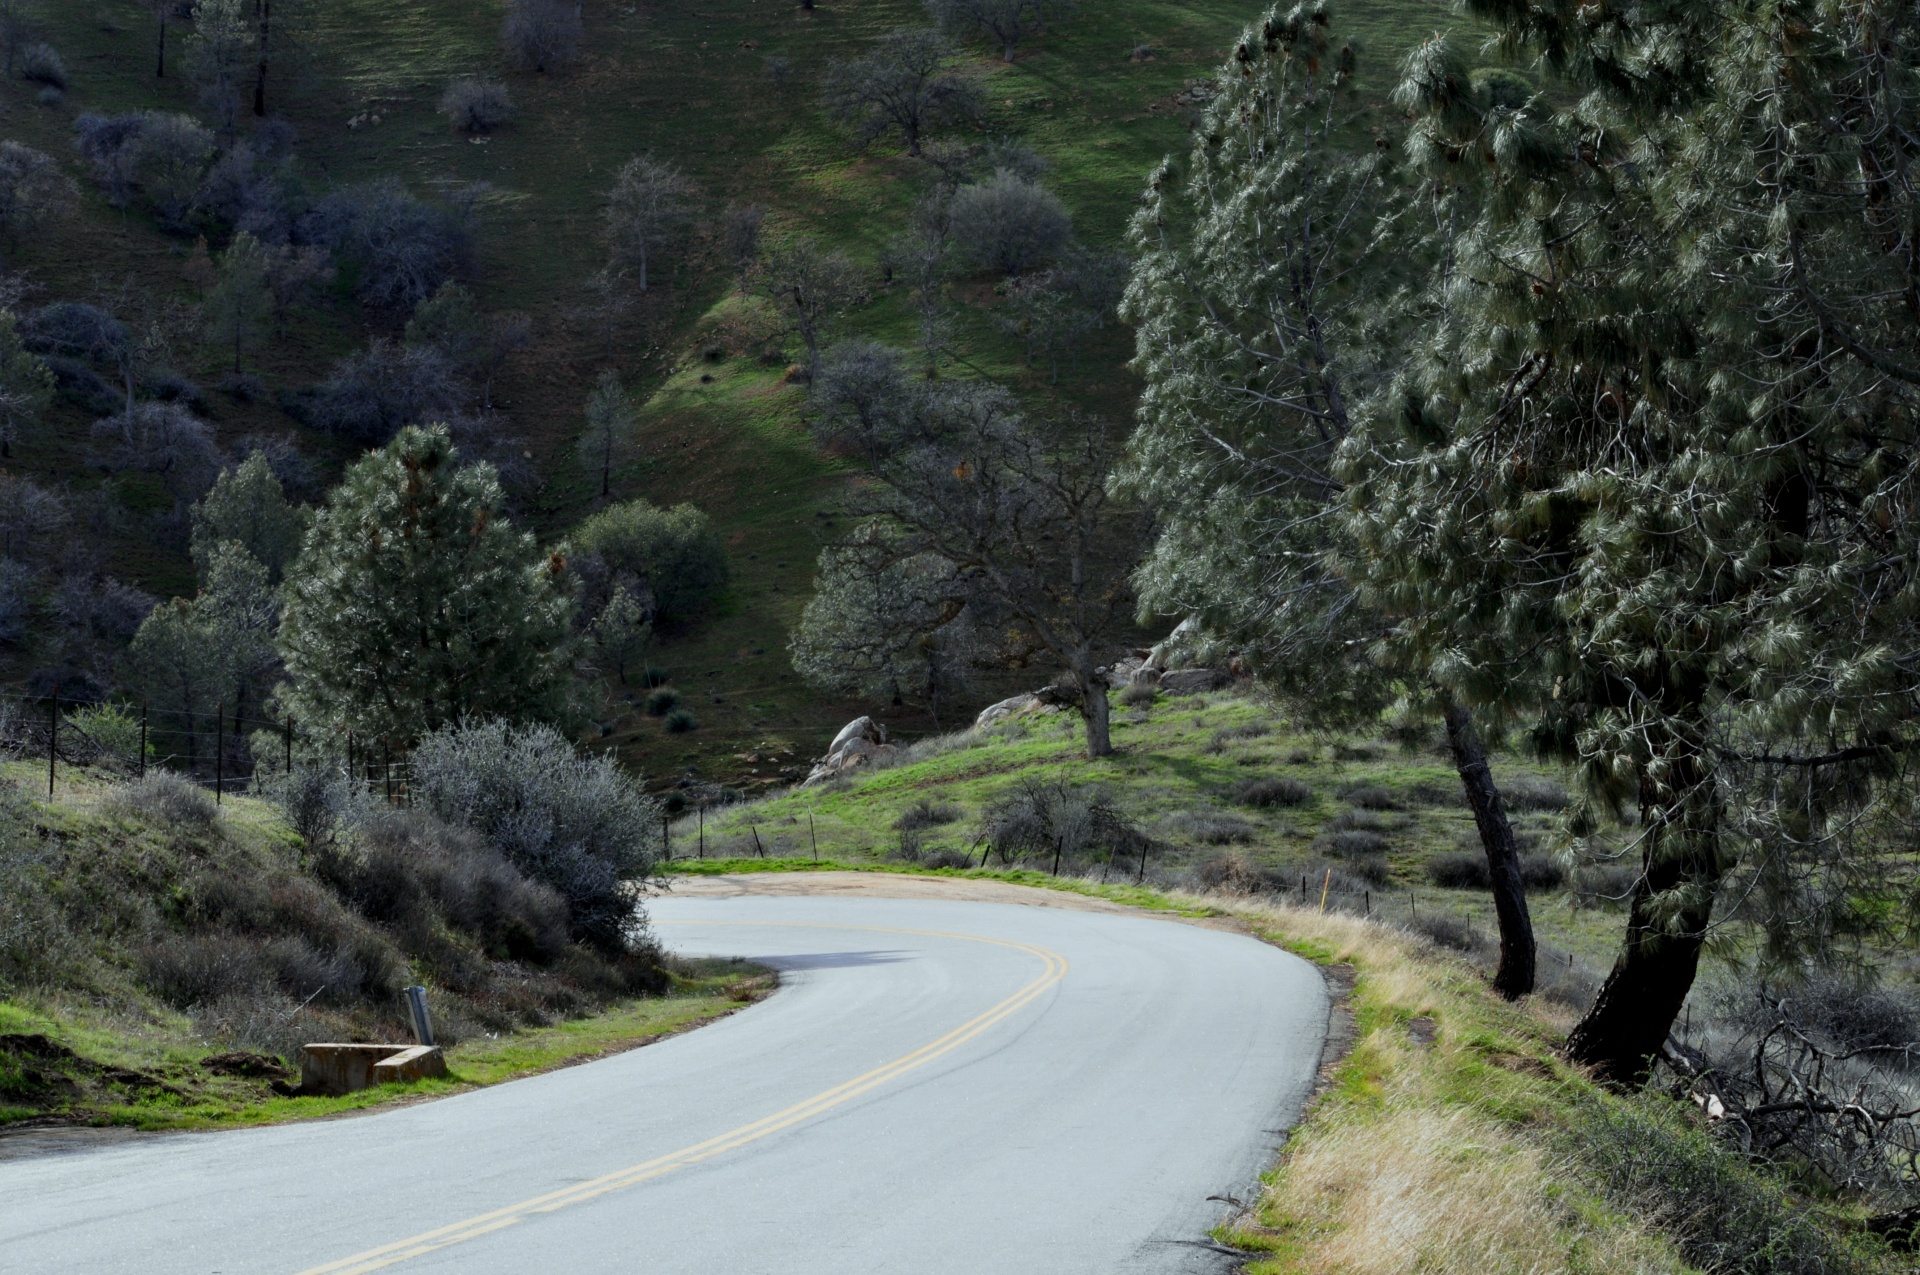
416,604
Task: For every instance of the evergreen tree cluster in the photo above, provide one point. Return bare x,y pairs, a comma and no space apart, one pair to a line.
1590,410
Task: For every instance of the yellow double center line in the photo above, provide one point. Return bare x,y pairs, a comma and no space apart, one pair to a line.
485,1223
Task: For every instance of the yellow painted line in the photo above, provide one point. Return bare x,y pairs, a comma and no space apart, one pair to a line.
485,1223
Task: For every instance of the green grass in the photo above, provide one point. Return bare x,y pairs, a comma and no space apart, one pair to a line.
1166,764
685,83
153,1082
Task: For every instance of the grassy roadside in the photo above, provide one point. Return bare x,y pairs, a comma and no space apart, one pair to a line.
142,1082
1452,1138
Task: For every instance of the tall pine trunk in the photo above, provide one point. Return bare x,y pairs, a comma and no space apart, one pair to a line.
1672,903
160,58
1514,978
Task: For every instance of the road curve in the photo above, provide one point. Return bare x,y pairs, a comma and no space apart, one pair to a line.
939,1086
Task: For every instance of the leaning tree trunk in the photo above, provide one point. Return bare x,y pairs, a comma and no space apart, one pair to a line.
1672,903
1514,978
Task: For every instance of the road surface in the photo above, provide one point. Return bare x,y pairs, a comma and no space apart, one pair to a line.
939,1086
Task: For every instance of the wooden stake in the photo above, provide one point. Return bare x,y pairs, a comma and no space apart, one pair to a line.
1324,887
143,739
219,752
814,835
53,736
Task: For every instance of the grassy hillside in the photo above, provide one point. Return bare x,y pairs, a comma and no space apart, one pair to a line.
1098,98
1194,772
162,960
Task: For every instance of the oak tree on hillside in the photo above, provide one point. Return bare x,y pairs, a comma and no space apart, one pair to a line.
26,386
1005,22
904,83
542,35
650,204
611,422
809,285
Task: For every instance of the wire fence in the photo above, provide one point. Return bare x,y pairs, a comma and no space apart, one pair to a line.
242,745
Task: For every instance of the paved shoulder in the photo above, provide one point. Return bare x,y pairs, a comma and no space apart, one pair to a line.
939,1086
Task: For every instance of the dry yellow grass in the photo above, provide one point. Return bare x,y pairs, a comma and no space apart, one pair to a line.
1425,1157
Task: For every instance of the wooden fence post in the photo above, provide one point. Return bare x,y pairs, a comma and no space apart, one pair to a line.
53,736
143,739
289,744
219,751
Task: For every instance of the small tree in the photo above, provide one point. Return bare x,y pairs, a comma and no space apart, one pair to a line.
861,396
167,441
33,191
650,203
1008,223
449,321
924,255
1006,22
242,297
26,385
416,604
473,104
292,273
742,224
175,662
882,624
247,506
809,285
542,35
610,426
668,558
620,634
904,83
220,53
1022,518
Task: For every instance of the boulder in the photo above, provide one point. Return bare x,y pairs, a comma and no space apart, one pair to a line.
1008,709
859,728
859,743
1191,681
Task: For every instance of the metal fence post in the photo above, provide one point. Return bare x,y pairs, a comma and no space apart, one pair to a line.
53,736
219,752
386,769
143,739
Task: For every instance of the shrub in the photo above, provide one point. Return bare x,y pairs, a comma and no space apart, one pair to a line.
578,824
541,35
73,329
315,800
1449,932
656,677
1603,884
41,63
1354,843
659,703
674,554
1235,734
1056,820
1206,827
1461,871
1227,874
1139,694
475,105
1362,820
410,860
946,857
165,798
1370,868
927,814
1724,1216
1530,792
1372,797
1274,791
373,395
402,247
1009,224
680,721
112,729
1542,873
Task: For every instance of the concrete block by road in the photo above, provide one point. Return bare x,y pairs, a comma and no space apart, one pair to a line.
336,1068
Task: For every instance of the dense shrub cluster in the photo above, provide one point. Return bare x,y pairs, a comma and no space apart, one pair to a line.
579,825
1274,791
670,560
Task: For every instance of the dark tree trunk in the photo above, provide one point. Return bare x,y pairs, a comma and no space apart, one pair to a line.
1514,978
260,81
1093,708
160,58
1672,903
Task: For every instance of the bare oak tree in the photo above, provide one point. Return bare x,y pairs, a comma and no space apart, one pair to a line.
904,83
650,203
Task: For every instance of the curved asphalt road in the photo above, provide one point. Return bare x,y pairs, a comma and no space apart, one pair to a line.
939,1086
